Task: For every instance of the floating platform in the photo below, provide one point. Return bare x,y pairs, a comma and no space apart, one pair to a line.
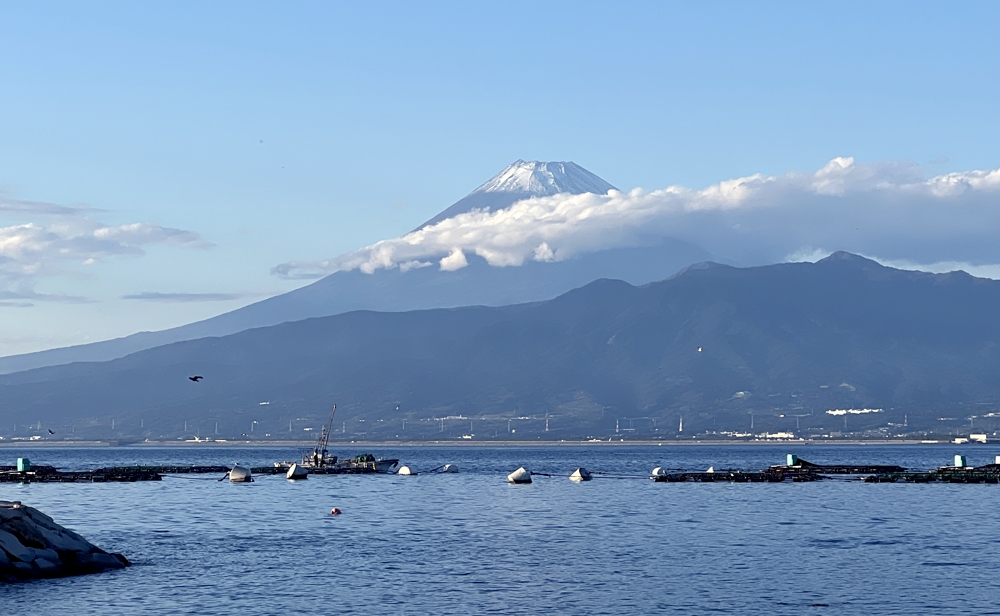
49,474
802,470
803,466
989,473
768,476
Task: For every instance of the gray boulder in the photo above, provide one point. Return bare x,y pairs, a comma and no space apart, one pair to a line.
33,546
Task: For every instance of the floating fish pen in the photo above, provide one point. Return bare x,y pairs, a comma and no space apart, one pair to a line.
768,476
794,465
989,473
801,470
48,474
24,472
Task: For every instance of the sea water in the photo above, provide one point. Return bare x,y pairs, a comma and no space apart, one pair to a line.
469,543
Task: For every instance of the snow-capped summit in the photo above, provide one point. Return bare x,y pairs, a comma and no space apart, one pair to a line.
523,180
543,179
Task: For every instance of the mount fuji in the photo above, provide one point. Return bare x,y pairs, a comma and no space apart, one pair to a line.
396,290
524,180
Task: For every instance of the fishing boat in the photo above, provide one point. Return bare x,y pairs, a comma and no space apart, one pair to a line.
320,461
366,462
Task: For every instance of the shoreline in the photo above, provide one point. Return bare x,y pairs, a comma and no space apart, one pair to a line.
466,443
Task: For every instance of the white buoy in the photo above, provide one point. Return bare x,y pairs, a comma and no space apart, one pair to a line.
960,461
406,470
449,468
521,475
580,474
658,472
240,474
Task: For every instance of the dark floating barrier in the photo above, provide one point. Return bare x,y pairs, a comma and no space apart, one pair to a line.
795,469
959,473
794,465
25,472
767,476
50,474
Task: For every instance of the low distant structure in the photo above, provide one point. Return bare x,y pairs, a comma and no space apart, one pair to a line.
33,546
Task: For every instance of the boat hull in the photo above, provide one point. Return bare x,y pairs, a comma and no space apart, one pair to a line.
297,472
240,474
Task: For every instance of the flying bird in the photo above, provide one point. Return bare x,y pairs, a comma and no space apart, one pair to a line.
699,349
51,432
195,378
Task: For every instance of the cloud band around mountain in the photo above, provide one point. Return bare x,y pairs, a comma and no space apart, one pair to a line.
888,210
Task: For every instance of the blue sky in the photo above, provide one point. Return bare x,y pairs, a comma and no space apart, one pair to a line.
272,132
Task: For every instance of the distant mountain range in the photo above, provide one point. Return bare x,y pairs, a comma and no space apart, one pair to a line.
395,290
724,348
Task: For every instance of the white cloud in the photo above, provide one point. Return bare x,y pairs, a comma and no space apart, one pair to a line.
889,210
454,261
23,295
410,265
142,233
12,206
177,298
987,270
807,255
58,239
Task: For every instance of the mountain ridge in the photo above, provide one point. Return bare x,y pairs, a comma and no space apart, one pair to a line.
782,343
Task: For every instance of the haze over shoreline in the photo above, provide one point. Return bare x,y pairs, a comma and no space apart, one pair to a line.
357,444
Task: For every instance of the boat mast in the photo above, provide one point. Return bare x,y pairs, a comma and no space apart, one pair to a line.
319,453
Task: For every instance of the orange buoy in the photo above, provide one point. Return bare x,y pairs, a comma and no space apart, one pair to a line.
335,511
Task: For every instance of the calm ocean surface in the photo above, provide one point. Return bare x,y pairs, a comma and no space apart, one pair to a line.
471,543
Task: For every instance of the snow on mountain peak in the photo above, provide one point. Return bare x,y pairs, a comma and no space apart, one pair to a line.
523,180
542,179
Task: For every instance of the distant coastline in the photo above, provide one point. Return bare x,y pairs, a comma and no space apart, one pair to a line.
468,443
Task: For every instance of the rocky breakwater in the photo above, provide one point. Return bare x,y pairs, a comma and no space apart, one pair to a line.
33,546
